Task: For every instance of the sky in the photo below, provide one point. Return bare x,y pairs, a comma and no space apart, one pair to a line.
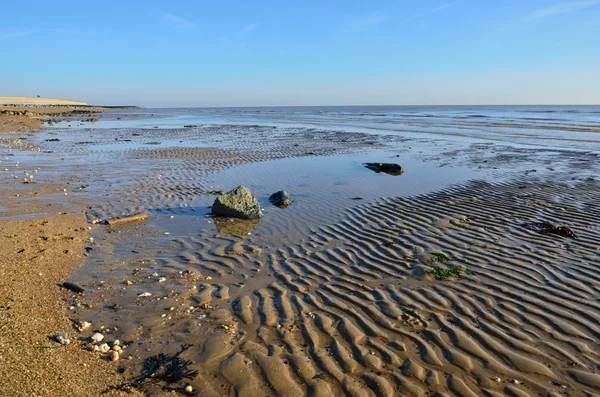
311,52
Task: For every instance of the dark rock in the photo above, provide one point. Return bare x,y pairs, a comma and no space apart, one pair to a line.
387,168
73,287
281,199
548,228
238,203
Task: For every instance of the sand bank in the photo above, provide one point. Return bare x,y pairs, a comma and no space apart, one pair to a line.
39,101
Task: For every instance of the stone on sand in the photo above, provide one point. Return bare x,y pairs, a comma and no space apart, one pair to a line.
238,203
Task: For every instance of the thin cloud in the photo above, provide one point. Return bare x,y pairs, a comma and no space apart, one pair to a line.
176,21
368,22
429,12
249,28
563,8
28,32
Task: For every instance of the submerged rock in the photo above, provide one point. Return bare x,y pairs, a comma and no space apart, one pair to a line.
238,203
387,168
281,199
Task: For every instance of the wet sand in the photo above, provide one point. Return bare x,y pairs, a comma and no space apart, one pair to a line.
40,245
427,283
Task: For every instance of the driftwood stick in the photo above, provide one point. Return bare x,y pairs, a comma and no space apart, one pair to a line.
142,216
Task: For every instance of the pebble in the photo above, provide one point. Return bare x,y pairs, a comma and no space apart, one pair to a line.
189,389
63,339
162,280
97,337
496,379
116,342
516,382
104,348
144,295
114,356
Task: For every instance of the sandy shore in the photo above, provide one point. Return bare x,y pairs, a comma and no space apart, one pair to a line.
37,254
368,284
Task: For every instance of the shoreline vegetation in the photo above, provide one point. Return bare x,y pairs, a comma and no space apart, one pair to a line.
37,254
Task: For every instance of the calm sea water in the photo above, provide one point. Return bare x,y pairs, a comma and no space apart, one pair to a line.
569,127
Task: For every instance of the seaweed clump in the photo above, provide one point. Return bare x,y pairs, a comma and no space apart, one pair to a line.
549,228
165,368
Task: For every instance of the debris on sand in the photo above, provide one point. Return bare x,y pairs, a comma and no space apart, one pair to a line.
73,287
386,168
281,199
549,228
162,368
238,203
440,273
141,216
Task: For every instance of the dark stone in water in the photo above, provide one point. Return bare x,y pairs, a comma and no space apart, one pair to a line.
281,199
387,168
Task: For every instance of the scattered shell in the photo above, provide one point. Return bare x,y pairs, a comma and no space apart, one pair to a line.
83,325
162,280
116,342
97,337
144,295
104,348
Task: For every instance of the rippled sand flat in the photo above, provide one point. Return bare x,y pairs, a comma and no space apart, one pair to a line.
427,283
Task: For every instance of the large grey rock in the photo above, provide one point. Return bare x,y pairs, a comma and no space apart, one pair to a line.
238,203
281,199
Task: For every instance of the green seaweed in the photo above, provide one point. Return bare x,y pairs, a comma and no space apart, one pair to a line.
440,273
439,257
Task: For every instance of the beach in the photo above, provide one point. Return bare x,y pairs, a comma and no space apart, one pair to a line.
472,272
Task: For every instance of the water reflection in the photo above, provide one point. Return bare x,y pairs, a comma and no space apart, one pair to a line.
237,227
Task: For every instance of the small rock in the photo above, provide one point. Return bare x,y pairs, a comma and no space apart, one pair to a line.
281,199
189,389
104,348
144,295
162,280
116,342
387,168
97,337
73,287
62,339
114,356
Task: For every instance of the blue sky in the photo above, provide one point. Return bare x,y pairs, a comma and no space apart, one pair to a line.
236,53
